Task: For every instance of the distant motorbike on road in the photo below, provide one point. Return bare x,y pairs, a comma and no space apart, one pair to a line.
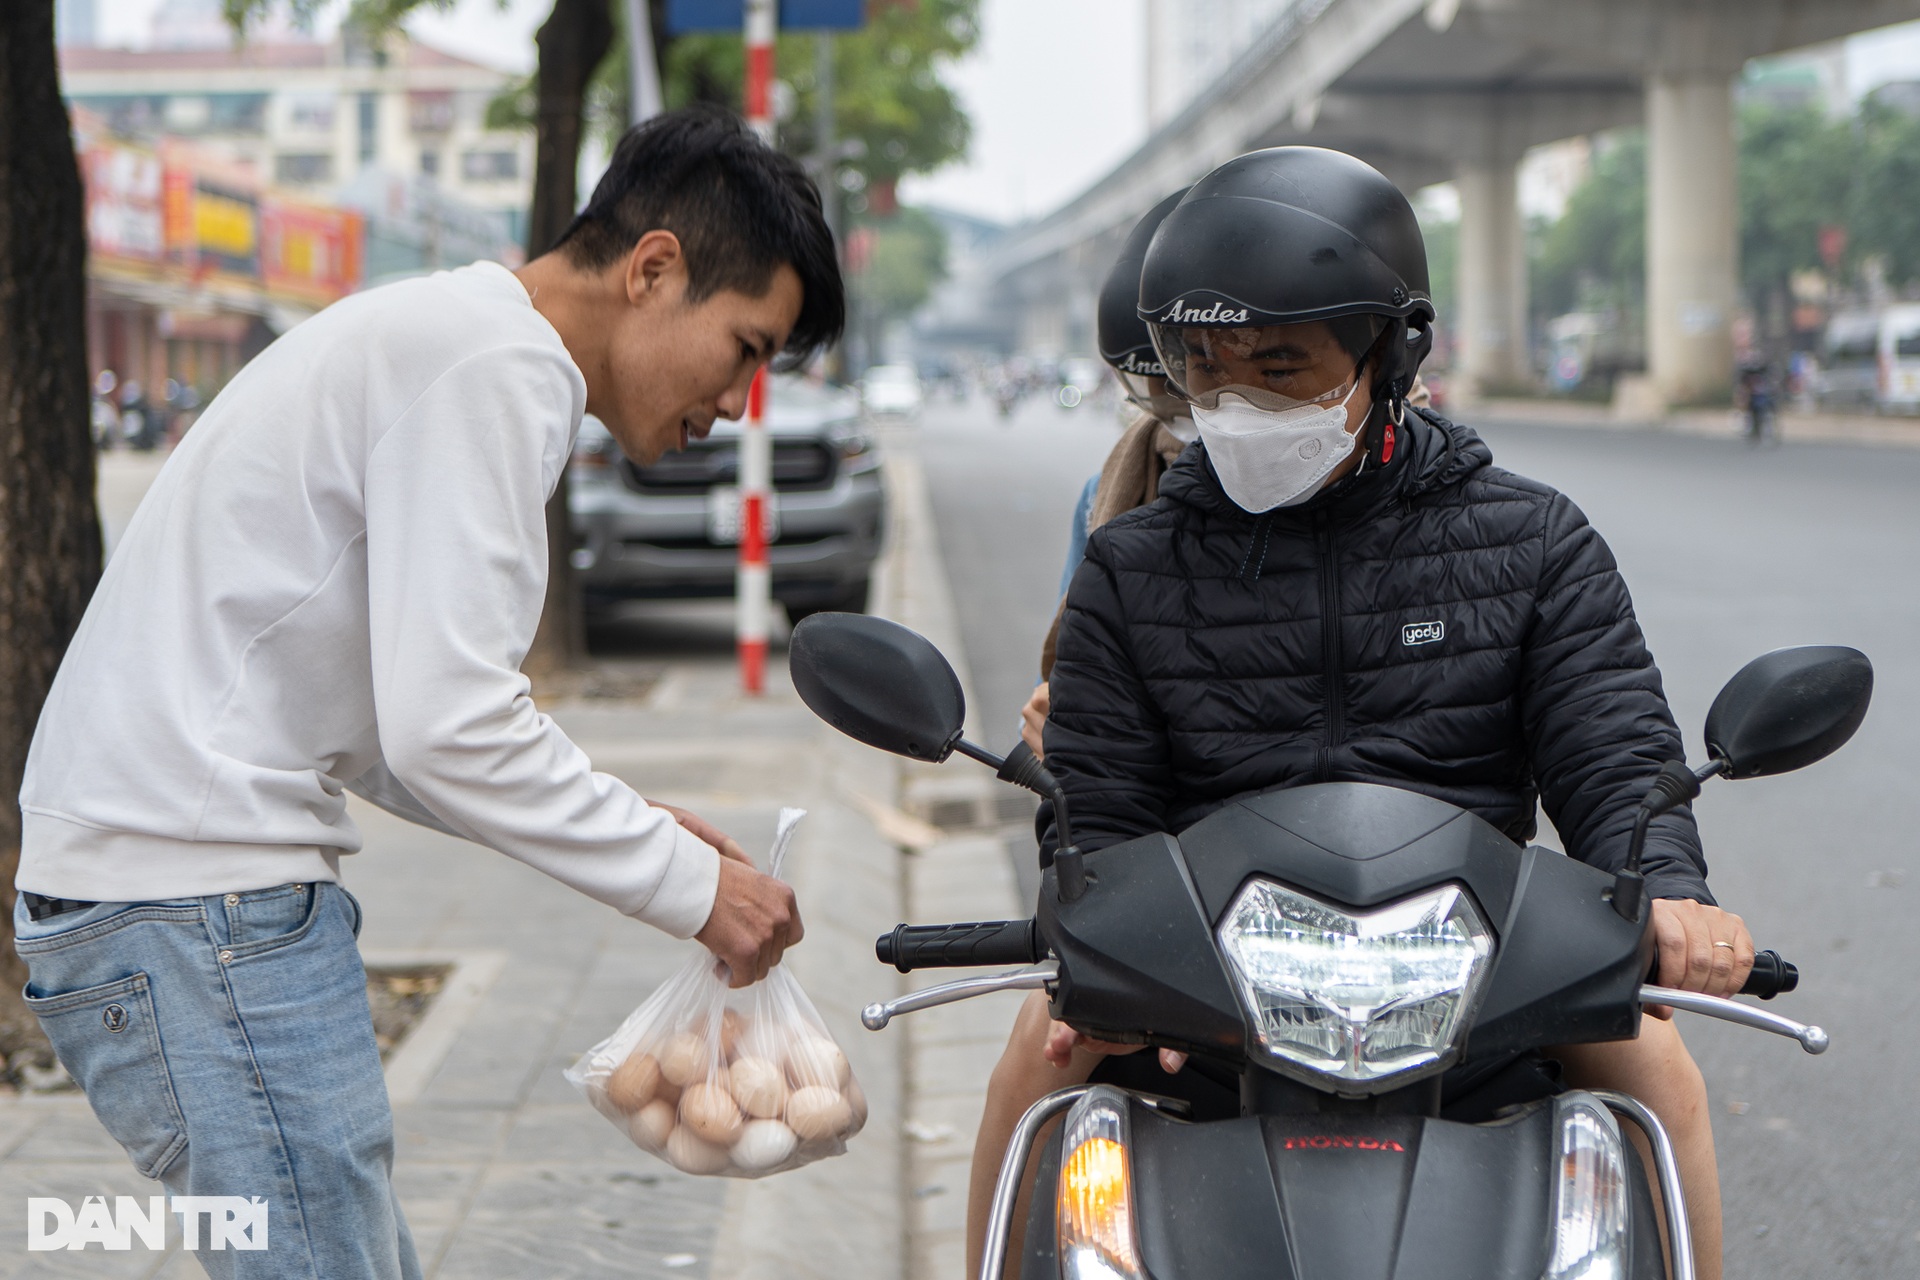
1359,963
1006,396
1762,404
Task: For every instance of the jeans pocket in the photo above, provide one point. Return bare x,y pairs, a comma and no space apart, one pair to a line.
259,919
359,914
268,919
109,1041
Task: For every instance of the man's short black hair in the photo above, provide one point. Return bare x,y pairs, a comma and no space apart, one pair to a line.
739,208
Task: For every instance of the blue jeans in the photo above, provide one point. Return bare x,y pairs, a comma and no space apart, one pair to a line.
226,1043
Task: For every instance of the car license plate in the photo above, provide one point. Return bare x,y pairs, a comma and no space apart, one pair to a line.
723,516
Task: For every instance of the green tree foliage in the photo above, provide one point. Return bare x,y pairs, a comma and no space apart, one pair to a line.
1885,211
369,15
908,257
1800,173
1797,170
889,101
1594,257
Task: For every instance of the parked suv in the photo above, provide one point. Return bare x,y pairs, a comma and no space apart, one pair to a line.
671,530
892,391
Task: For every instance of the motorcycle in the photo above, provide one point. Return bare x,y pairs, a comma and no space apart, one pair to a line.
1006,397
1345,955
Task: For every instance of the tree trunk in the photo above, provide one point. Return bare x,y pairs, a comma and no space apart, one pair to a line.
572,41
49,529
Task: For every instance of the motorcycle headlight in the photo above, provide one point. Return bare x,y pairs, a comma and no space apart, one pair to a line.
1590,1208
1356,998
1094,1203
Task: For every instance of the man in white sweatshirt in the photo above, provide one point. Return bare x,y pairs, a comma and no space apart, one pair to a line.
330,588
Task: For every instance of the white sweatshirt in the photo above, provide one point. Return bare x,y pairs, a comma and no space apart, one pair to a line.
331,586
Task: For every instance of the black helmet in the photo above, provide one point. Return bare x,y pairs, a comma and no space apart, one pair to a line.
1124,341
1290,235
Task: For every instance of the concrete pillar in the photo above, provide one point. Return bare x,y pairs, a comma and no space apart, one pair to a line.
1693,236
1491,353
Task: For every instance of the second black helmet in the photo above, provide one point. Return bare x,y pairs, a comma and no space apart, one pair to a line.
1124,341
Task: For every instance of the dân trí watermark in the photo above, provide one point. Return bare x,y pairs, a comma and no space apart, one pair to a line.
232,1222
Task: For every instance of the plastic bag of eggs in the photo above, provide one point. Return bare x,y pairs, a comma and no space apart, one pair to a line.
738,1083
738,1096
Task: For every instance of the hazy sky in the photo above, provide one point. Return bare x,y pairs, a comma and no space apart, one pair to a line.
1055,91
1054,87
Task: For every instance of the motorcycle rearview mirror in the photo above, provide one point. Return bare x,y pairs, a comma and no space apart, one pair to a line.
878,683
889,687
1780,712
1789,708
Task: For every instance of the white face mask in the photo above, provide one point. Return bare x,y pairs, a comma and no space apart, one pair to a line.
1269,458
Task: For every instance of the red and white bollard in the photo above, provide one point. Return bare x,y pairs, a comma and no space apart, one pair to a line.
753,583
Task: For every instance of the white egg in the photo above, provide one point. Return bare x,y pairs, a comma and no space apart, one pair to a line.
817,1112
650,1126
764,1144
815,1060
759,1087
689,1154
684,1058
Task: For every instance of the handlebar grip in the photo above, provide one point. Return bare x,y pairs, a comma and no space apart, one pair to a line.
959,946
1771,975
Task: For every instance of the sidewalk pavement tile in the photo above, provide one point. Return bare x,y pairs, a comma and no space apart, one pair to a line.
585,1220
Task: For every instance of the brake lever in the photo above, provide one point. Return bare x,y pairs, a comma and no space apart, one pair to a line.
1037,977
1813,1039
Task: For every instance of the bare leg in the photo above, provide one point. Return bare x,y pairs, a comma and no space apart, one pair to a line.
1022,1078
1658,1070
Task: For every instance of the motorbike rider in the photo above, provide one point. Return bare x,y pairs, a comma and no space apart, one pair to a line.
1756,393
1334,586
1158,431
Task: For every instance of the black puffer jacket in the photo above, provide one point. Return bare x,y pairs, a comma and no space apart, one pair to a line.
1439,624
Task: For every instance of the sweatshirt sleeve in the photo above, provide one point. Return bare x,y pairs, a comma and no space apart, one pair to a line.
456,575
1597,722
379,787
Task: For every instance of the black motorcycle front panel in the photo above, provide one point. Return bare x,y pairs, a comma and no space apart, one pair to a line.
1332,1198
1137,955
1353,843
1360,1198
1568,969
1139,946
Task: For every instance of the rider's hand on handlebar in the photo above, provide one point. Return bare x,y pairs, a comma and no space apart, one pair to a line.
1701,948
1033,719
1062,1040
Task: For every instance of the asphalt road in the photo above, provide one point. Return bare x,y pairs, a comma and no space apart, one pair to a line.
1729,552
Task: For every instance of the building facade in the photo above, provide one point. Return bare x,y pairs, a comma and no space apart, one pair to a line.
315,116
233,190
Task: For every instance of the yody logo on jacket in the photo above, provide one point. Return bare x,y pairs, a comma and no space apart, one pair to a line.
1423,632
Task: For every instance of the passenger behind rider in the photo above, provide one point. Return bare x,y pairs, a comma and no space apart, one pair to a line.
1198,660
